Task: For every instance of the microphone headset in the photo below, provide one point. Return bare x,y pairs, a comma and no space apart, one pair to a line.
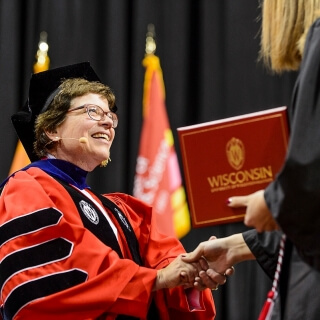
81,140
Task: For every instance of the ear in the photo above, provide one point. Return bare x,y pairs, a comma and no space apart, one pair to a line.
52,135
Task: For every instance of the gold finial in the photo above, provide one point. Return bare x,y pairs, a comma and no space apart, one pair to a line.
42,57
150,40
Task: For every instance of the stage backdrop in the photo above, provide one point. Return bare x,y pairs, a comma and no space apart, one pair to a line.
208,51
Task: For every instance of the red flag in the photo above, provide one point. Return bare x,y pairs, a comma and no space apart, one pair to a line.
158,179
20,158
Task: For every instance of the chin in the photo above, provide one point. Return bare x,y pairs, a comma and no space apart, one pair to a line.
104,158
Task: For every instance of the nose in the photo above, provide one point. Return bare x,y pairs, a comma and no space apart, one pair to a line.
106,121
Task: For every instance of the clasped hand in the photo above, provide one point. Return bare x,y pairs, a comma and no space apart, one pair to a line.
195,273
212,261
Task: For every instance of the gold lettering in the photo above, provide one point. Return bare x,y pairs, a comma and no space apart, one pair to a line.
267,172
225,179
240,178
214,181
232,179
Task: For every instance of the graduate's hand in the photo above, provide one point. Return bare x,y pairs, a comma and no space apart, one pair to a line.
205,280
221,255
217,254
257,213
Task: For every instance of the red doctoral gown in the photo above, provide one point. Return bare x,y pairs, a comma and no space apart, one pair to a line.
52,267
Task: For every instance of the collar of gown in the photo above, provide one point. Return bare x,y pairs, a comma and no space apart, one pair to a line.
61,169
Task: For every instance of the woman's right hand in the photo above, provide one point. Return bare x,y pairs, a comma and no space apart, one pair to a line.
188,274
177,273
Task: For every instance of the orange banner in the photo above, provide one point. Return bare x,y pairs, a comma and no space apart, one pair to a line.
158,178
20,158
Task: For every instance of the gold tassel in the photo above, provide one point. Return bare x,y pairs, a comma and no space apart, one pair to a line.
105,162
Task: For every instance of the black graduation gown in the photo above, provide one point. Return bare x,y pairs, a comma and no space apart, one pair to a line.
294,196
300,281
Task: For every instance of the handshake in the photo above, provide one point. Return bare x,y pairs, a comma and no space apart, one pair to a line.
212,261
207,266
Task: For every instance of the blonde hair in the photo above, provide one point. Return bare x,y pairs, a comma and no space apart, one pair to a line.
285,24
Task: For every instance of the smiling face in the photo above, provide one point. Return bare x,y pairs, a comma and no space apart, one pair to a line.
99,135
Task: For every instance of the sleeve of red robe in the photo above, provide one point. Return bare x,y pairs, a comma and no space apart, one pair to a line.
158,251
105,284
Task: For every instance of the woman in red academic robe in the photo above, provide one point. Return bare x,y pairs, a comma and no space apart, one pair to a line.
68,252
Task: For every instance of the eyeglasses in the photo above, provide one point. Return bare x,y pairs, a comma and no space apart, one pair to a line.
97,113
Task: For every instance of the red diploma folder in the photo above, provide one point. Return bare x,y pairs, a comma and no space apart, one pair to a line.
229,157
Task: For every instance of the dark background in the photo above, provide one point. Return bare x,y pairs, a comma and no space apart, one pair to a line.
208,50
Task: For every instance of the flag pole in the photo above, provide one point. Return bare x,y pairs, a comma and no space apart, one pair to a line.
157,180
151,45
42,58
20,158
